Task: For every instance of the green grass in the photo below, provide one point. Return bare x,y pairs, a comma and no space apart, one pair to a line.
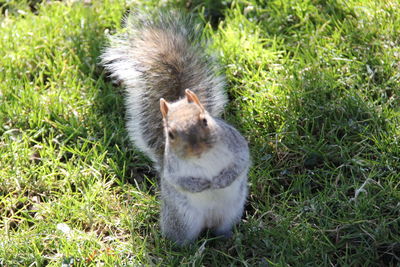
314,87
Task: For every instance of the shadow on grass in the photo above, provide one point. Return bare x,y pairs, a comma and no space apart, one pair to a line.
327,114
330,126
327,141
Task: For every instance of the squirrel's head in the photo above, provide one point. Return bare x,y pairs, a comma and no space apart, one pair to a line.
187,125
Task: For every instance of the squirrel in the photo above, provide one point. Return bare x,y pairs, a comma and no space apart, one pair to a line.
174,100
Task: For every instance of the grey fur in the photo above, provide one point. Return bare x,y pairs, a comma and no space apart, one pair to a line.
177,222
236,143
159,56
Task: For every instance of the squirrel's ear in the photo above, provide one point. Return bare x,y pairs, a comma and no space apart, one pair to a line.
163,107
192,97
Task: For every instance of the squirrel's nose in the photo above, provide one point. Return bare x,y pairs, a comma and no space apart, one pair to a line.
195,149
195,146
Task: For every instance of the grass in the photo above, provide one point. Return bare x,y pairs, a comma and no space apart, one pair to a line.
314,87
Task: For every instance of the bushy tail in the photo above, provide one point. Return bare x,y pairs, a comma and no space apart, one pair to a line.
160,55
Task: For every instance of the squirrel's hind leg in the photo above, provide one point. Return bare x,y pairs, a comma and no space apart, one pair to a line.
180,227
229,217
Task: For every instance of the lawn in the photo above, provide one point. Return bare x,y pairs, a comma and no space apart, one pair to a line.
313,85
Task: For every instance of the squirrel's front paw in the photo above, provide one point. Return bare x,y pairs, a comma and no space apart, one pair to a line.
194,184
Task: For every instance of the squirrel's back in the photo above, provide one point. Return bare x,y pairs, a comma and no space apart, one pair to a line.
159,56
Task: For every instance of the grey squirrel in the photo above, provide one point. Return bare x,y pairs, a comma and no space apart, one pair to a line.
174,98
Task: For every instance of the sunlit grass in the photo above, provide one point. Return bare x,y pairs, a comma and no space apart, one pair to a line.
313,85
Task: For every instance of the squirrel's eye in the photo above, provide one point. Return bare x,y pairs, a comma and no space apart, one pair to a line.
171,135
205,123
